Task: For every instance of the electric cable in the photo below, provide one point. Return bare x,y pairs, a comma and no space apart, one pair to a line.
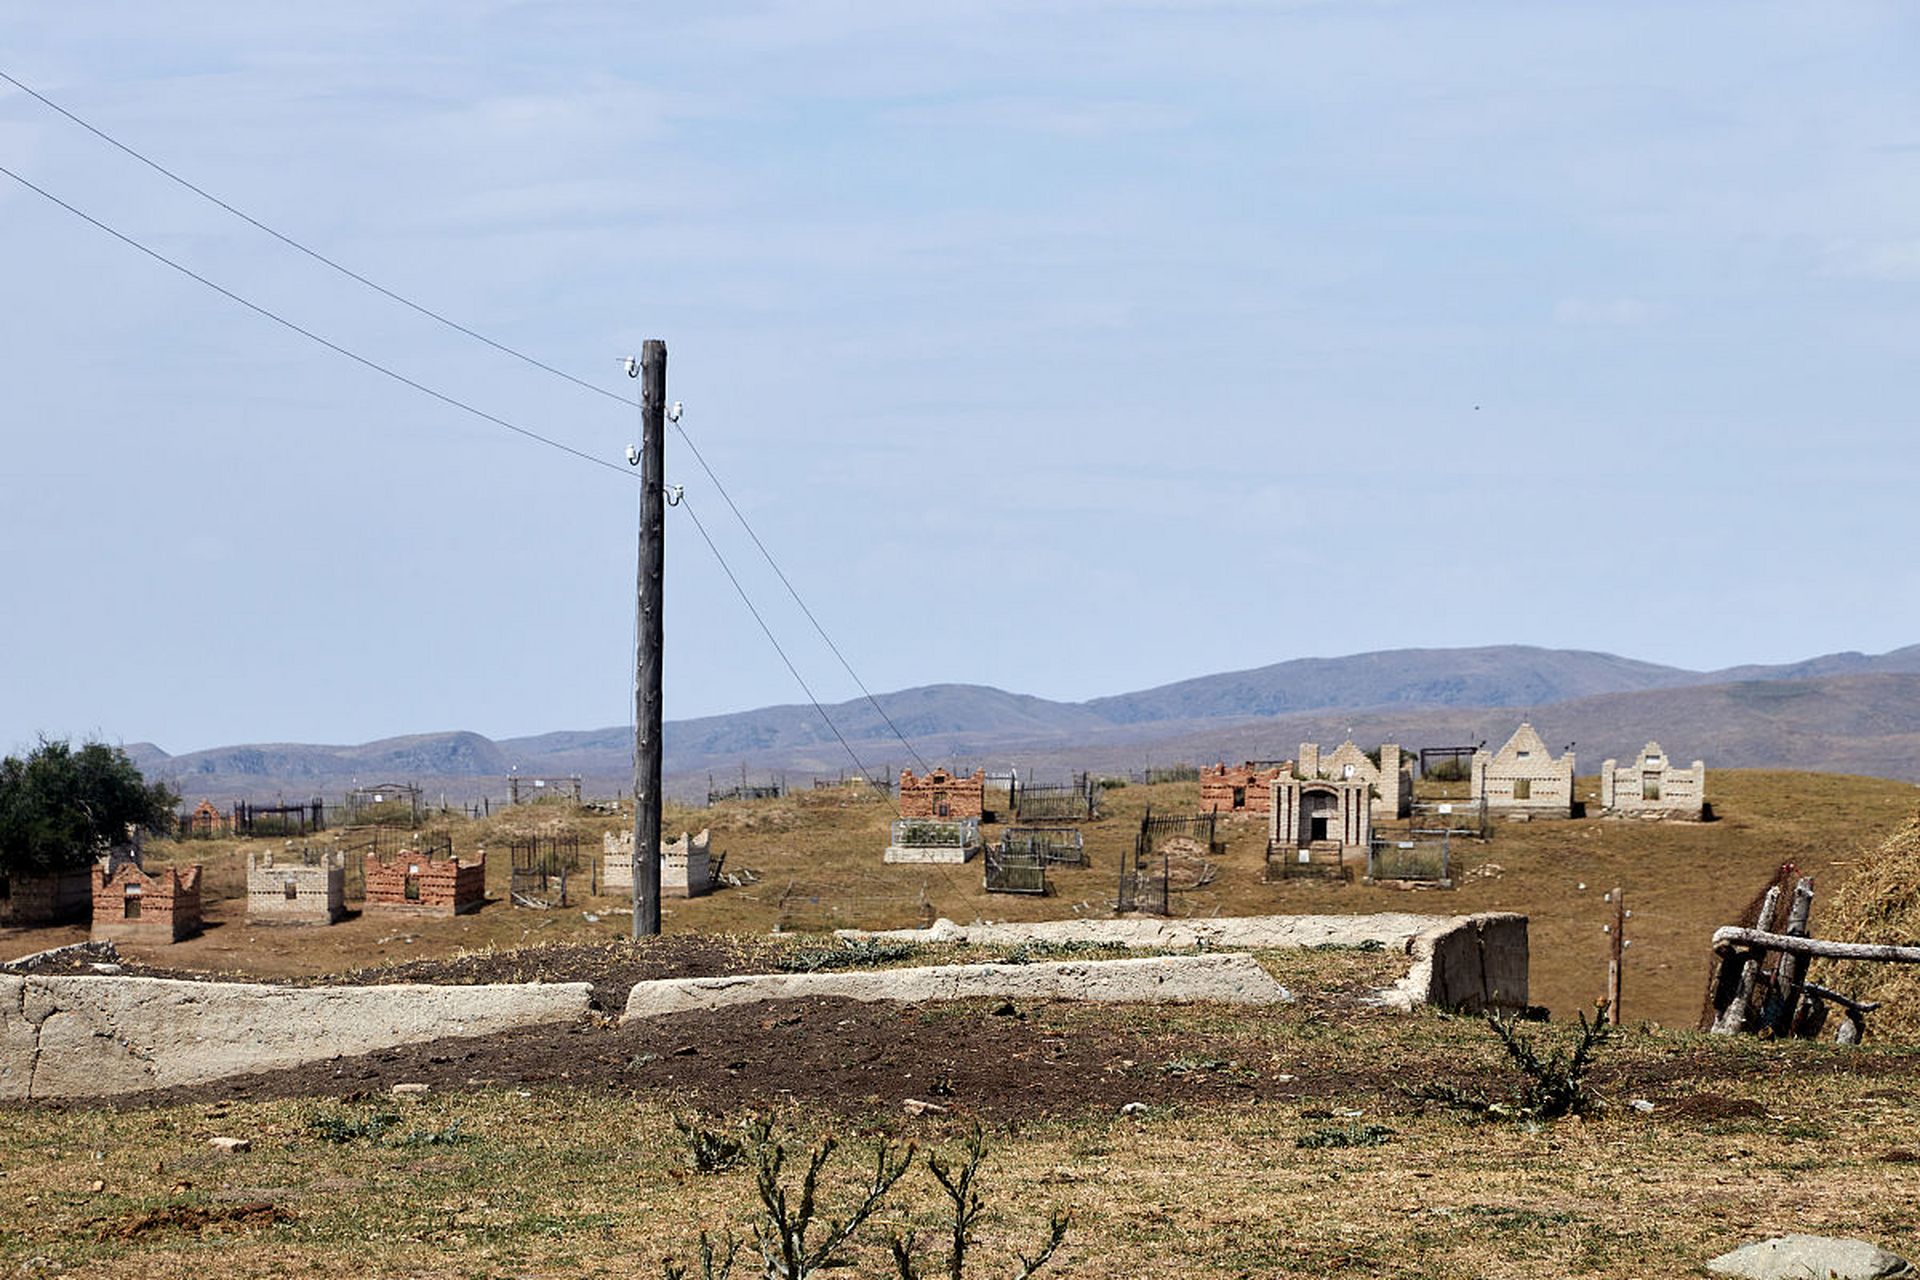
727,569
496,345
454,402
309,334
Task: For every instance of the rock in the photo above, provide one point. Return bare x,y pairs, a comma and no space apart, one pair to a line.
1641,1105
1799,1257
232,1146
915,1107
409,1087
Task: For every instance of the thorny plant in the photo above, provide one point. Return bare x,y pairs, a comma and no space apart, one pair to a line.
1556,1084
708,1151
785,1221
789,1214
956,1179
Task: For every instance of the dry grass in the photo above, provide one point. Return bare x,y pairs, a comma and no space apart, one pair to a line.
568,1182
817,858
1879,902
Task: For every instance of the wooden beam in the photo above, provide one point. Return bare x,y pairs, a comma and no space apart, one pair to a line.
1729,939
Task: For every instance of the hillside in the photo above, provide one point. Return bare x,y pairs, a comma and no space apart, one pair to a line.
1857,714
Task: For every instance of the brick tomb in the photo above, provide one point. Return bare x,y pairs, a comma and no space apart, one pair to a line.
433,882
134,905
943,795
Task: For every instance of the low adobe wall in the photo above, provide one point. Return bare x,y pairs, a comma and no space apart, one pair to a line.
1459,962
1231,979
69,1037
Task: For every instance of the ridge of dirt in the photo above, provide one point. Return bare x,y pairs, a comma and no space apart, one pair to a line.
611,967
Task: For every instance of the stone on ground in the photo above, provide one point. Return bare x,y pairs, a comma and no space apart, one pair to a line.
1801,1257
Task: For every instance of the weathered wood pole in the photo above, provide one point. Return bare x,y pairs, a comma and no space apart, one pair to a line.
1732,1015
1730,939
1791,971
1618,956
650,639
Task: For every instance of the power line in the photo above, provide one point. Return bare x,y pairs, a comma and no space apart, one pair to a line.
496,345
309,334
291,243
768,632
444,398
779,573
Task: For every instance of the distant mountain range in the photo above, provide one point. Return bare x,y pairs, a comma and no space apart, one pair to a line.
1847,712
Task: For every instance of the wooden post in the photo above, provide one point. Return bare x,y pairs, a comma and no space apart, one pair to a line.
650,639
1732,1016
1791,971
1618,954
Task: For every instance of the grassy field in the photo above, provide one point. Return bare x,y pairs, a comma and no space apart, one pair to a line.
550,1180
1279,1142
814,859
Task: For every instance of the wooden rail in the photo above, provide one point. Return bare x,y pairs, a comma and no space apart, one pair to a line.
1731,939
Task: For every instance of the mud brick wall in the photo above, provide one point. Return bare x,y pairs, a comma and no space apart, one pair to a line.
942,795
129,905
1237,789
54,898
442,886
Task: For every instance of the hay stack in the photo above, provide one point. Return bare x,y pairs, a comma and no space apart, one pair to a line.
1879,902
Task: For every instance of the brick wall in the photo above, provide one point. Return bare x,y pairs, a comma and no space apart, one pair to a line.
57,897
131,905
1651,787
293,891
415,883
942,795
1391,779
686,864
1332,812
1524,777
1237,789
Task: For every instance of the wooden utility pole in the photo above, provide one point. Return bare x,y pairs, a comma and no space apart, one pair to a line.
1614,961
650,637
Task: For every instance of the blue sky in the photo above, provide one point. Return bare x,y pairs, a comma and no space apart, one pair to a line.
1010,325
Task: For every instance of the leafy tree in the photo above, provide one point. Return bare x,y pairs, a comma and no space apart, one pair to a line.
59,806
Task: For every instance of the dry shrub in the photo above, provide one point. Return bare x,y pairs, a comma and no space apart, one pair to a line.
1879,902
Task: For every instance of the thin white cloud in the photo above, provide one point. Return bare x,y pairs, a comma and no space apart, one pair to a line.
1613,312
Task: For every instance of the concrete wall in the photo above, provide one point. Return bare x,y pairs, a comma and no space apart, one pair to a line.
1651,787
1232,979
1457,961
68,1037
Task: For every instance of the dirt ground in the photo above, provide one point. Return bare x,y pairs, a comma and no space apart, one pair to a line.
811,862
996,1061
